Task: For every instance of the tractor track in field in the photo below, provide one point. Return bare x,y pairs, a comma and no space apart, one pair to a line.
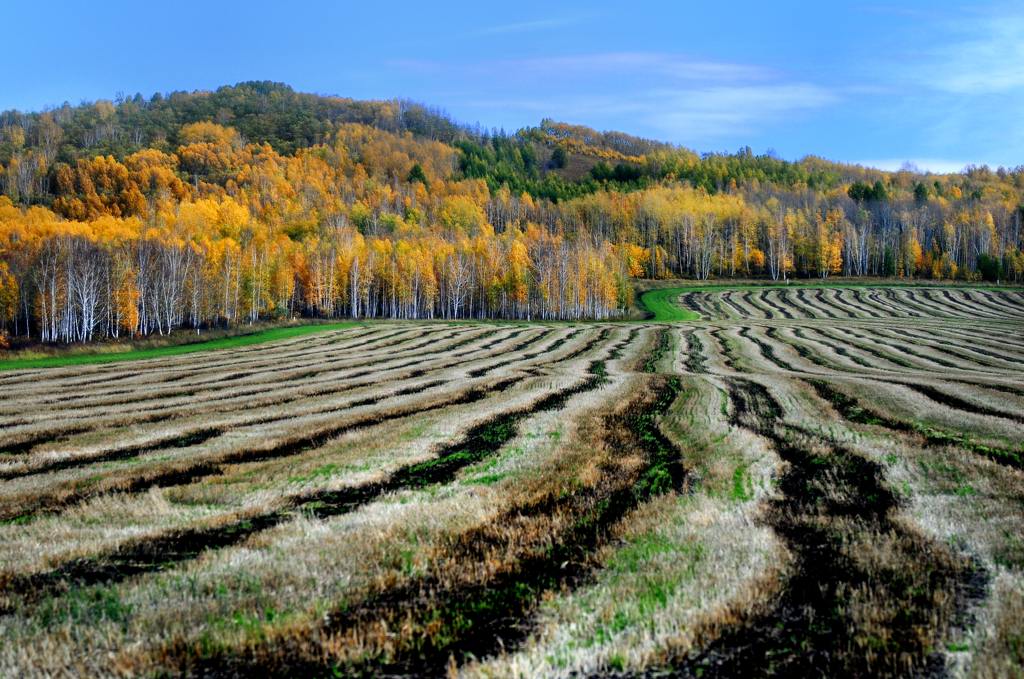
257,388
832,500
767,350
166,550
160,552
959,351
840,351
203,370
957,403
695,360
189,472
64,435
493,614
852,410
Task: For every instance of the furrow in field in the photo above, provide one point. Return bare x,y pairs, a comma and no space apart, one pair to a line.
837,300
957,403
161,551
105,372
1014,303
805,352
691,301
189,470
196,437
878,337
907,298
968,354
482,612
755,302
726,348
861,575
280,382
792,302
766,350
694,361
138,394
186,468
981,302
889,309
971,308
883,360
755,309
983,337
713,306
176,367
267,396
552,347
867,305
927,306
814,304
898,302
192,371
766,297
955,304
662,347
268,363
740,312
855,411
166,550
984,341
857,360
285,391
833,303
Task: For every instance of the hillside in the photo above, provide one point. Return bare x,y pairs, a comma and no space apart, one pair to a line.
193,209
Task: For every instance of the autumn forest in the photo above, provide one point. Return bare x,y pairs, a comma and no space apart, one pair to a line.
141,216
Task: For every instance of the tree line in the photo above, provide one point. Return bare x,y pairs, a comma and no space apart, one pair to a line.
253,202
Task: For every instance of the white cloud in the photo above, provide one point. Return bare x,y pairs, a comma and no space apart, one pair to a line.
691,101
984,55
715,111
690,115
934,165
642,63
529,26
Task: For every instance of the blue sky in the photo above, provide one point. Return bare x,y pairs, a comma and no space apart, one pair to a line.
940,84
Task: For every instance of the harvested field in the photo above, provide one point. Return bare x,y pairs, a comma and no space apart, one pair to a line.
777,481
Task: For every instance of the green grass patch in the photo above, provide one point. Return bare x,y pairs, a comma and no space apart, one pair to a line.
660,303
742,485
83,606
260,337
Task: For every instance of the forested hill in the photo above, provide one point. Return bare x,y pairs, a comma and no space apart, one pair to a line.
253,201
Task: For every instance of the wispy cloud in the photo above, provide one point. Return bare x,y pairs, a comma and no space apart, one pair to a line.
718,111
530,26
645,63
686,99
601,64
935,165
984,54
895,10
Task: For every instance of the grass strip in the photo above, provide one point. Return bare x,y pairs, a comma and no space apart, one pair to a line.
259,337
659,303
